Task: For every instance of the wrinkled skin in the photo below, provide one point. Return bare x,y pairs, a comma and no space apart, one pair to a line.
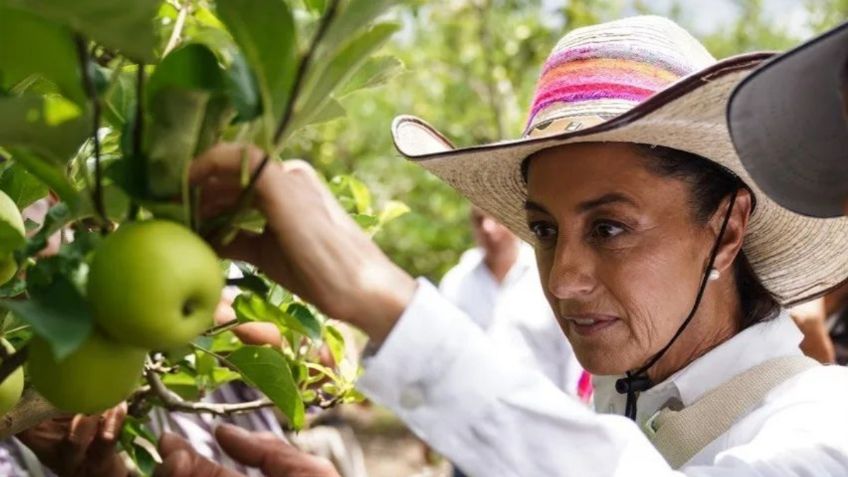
79,446
618,243
264,451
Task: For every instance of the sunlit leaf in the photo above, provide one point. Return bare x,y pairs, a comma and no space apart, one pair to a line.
22,186
32,45
322,81
58,313
265,32
335,342
373,73
124,26
268,370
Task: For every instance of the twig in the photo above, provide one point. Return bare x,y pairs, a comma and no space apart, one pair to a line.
137,133
173,402
30,410
178,28
221,328
247,194
91,92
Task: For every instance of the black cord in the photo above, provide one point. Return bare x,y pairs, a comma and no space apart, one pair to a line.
637,381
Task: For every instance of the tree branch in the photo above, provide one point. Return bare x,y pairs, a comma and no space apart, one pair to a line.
302,68
173,402
221,327
91,92
174,39
30,410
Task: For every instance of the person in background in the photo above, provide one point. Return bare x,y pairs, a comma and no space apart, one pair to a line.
497,285
824,322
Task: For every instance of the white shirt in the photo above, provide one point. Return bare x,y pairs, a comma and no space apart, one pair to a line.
443,377
514,314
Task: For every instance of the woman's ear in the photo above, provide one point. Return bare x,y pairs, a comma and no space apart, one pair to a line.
734,233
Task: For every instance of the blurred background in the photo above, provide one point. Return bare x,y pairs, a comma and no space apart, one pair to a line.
469,68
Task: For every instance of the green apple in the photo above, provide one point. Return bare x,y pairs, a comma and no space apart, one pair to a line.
12,387
154,284
8,269
10,214
96,376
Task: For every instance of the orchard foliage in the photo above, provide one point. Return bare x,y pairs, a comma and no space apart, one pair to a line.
103,106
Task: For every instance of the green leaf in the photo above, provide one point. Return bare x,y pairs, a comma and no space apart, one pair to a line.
138,442
265,32
58,313
335,342
243,89
124,26
32,122
53,175
250,282
373,73
250,307
171,138
11,238
392,211
322,82
361,195
366,221
357,14
307,319
268,370
191,67
57,217
22,186
32,45
316,6
331,110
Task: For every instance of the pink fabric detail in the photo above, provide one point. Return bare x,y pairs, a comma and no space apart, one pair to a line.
584,92
584,387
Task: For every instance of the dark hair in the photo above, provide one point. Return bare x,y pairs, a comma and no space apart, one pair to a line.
709,184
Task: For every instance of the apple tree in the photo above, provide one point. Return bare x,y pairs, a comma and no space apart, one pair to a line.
103,106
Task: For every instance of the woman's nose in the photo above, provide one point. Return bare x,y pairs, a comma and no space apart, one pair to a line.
571,274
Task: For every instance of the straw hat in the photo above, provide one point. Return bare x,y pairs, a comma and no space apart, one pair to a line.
638,80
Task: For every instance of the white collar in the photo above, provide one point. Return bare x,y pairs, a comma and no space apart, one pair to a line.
752,346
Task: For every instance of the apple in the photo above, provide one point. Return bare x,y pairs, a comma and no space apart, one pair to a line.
154,284
96,376
12,387
9,213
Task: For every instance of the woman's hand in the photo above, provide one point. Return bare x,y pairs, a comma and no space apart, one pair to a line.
267,452
310,245
79,446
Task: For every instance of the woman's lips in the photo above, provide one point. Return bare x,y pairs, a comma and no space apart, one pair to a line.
588,325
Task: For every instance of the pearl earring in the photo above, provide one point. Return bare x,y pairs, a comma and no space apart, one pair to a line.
714,274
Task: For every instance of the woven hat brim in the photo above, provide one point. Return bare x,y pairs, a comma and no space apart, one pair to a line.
788,122
796,257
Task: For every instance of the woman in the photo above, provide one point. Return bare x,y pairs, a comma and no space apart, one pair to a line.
664,265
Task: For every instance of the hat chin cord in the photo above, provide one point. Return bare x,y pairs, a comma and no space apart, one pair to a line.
637,381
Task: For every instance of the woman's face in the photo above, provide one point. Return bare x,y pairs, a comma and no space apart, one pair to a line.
620,253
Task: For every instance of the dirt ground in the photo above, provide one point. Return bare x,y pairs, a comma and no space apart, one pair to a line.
390,449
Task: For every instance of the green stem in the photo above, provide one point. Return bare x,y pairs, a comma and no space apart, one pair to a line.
91,92
246,195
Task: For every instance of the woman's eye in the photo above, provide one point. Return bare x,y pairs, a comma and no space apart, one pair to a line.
543,231
607,230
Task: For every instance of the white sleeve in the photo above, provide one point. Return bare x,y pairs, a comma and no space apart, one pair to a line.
440,374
